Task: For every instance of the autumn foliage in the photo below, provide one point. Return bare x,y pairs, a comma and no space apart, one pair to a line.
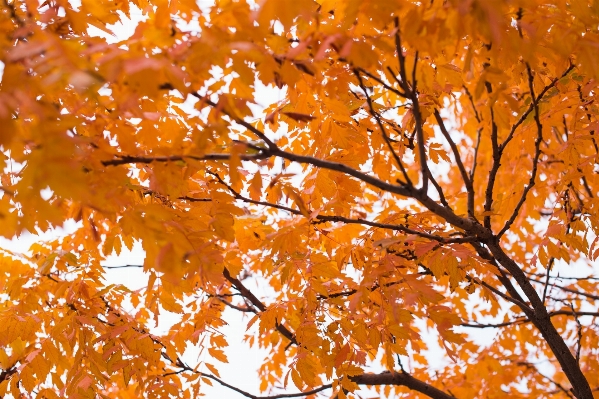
420,172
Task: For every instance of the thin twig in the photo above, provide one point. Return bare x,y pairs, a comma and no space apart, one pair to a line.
537,155
383,130
382,83
549,267
258,304
557,384
476,115
474,162
458,160
129,159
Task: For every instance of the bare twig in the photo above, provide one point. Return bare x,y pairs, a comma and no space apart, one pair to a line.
439,190
531,107
258,304
129,159
475,160
458,160
476,115
383,130
579,338
382,83
549,267
536,156
524,320
239,121
557,384
122,266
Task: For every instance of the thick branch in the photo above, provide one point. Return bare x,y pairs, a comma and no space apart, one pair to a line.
541,319
493,173
401,379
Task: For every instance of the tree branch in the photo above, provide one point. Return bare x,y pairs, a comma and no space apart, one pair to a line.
257,303
557,384
382,83
413,95
535,161
493,173
524,320
458,160
475,160
385,378
128,159
476,115
401,379
541,319
122,266
239,121
383,131
442,198
184,367
531,107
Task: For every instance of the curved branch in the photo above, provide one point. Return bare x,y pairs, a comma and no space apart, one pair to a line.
397,227
499,148
535,160
571,290
541,320
531,107
249,395
383,130
382,83
257,303
557,384
458,160
407,191
385,378
401,379
240,121
342,219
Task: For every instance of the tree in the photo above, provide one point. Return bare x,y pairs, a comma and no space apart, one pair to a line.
426,165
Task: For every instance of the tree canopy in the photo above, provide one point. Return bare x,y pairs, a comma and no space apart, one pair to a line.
425,169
